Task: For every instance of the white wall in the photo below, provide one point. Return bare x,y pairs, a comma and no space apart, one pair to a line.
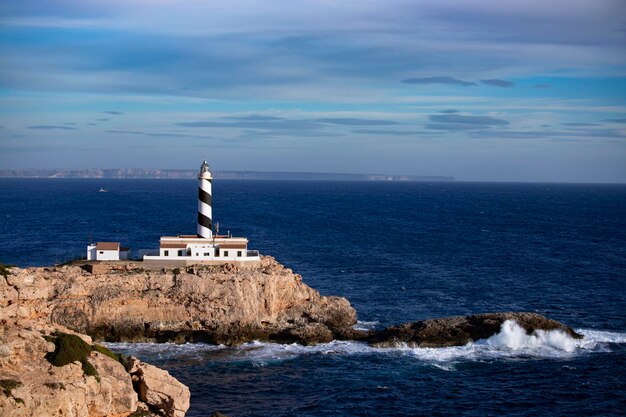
91,252
108,255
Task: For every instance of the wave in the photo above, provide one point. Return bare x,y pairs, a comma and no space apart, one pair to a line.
366,325
511,342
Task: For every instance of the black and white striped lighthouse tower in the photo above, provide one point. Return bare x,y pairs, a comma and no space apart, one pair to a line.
205,215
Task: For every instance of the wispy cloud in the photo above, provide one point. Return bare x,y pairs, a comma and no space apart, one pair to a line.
125,132
498,83
467,120
51,127
438,80
579,124
381,132
254,118
112,112
273,124
344,121
615,120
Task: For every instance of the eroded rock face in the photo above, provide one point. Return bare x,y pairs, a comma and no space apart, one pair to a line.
458,331
216,304
158,389
42,389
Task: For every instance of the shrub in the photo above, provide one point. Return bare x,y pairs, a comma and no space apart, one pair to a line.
8,385
55,385
4,270
68,348
108,352
71,348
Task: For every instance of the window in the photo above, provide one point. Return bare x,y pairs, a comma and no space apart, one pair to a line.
225,253
217,252
166,253
181,253
101,252
238,253
206,254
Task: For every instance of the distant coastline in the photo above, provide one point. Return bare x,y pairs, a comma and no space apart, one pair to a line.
139,173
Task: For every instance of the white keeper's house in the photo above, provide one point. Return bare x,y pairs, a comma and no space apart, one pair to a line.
107,251
205,247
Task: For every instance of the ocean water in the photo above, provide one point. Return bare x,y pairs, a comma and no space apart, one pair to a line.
400,252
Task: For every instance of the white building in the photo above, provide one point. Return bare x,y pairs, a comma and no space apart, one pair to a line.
191,249
182,250
107,251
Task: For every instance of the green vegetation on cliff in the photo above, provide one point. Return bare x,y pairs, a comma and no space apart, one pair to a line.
70,348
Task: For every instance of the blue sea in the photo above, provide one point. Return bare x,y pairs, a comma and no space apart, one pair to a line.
400,252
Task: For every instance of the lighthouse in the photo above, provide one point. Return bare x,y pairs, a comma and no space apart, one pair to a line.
183,250
205,214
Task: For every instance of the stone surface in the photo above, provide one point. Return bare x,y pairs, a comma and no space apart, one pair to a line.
158,389
458,331
217,304
47,390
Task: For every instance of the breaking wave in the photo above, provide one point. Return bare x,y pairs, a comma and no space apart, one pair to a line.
511,342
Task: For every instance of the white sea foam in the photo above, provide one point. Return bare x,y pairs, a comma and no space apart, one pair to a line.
366,325
511,342
513,337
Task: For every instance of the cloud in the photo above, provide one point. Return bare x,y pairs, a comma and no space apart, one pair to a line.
450,111
277,124
125,132
288,133
455,126
581,124
437,80
175,135
254,117
615,120
581,134
389,132
51,127
112,112
69,123
541,85
467,120
498,83
102,120
155,135
344,121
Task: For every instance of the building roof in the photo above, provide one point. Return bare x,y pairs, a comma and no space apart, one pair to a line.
203,240
108,246
232,246
173,245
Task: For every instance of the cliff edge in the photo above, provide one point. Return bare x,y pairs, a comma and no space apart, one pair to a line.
215,304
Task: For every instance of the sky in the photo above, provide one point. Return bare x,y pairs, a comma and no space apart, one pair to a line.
481,90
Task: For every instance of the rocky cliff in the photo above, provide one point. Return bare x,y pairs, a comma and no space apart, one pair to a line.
216,304
48,370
